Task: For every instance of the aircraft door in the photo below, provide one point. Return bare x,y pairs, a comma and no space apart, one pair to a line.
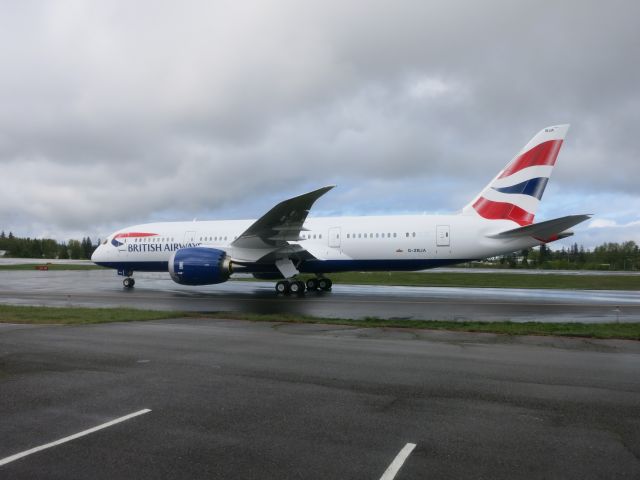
334,237
189,237
442,236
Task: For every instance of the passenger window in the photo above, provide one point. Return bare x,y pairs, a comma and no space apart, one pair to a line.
413,234
394,234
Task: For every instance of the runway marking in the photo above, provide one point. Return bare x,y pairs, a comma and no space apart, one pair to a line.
391,472
17,456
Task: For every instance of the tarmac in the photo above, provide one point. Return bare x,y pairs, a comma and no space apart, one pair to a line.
196,398
103,288
233,399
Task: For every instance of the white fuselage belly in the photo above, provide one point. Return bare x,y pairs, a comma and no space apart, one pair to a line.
374,242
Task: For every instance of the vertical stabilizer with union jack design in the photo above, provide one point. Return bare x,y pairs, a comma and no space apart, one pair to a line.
515,193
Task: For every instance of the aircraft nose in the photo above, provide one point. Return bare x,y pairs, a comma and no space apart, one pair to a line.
95,254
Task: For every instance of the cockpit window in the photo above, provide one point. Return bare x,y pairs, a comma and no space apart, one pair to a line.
104,242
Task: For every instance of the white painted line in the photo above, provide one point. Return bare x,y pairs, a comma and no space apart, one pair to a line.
4,461
391,472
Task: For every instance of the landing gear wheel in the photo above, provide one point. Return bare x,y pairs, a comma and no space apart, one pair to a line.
325,284
128,282
296,287
282,287
312,284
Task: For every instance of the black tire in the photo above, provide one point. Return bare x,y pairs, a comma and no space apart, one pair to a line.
324,284
282,287
312,284
128,282
297,287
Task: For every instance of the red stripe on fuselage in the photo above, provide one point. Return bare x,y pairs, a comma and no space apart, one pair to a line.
135,234
543,154
502,211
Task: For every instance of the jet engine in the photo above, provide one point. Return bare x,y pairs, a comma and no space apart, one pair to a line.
199,266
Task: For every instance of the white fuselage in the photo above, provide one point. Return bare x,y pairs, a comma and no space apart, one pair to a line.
404,242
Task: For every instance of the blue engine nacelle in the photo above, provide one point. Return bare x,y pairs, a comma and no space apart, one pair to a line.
199,266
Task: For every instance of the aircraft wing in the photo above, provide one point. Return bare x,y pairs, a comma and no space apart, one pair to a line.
281,224
545,231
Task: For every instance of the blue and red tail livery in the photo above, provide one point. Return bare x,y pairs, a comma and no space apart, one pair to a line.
515,193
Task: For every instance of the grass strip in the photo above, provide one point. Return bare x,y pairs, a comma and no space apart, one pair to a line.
629,331
493,280
77,316
441,279
51,266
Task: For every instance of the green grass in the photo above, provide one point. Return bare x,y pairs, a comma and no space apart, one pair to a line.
444,279
52,266
77,316
497,280
629,331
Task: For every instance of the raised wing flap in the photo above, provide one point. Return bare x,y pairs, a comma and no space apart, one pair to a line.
282,223
544,231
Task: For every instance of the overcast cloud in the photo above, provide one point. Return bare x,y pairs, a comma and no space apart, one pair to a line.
119,112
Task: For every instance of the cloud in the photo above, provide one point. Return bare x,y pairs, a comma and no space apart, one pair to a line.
121,112
608,223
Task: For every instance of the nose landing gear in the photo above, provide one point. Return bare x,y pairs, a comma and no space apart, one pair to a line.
128,282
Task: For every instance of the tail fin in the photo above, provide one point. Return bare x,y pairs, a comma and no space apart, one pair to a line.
515,193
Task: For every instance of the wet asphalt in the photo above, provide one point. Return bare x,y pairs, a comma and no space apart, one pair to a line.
157,291
236,399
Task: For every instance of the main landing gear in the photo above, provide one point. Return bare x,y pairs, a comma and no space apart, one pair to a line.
297,287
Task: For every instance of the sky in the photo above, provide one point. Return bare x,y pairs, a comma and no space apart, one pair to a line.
117,113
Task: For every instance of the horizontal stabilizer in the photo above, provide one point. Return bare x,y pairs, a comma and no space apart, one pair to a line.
544,231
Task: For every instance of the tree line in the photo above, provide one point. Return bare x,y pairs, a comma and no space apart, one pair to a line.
608,256
45,247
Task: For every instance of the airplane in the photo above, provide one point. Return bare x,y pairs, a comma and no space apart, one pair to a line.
285,242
